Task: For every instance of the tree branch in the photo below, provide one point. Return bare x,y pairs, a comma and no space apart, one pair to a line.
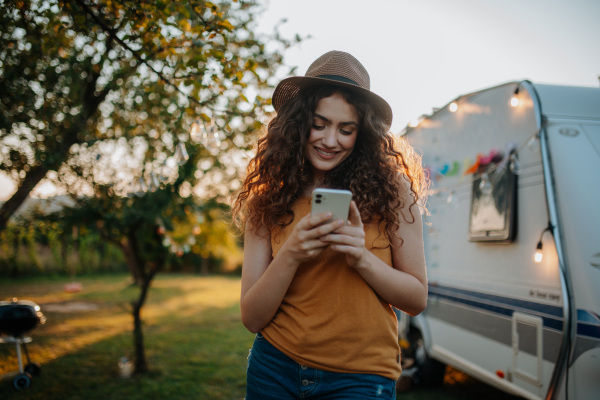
139,58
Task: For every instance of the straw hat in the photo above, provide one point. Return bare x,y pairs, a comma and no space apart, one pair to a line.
335,68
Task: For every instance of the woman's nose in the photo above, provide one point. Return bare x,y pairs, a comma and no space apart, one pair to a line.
329,137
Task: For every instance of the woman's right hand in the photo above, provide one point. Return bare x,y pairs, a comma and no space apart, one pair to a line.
305,241
265,280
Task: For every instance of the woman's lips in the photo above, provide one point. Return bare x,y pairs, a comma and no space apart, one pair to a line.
328,155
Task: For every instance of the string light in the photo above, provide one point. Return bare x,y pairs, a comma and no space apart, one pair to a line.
414,123
538,255
453,107
485,185
514,100
512,160
514,165
452,199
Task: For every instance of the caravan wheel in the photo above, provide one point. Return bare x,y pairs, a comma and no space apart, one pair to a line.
429,372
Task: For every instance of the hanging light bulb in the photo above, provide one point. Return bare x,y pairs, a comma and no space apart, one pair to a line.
452,199
485,185
538,255
417,121
413,123
515,167
181,155
514,99
453,107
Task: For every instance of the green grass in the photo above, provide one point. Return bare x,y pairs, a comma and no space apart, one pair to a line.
195,342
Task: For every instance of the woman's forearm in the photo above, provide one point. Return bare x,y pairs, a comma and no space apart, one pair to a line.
260,303
400,289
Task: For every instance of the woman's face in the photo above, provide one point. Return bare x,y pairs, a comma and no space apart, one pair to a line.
332,135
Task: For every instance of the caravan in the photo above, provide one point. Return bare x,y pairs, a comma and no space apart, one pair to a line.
512,241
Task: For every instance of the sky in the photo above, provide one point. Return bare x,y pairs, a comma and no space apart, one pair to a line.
422,54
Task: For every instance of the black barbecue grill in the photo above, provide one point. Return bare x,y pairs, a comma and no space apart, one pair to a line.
18,317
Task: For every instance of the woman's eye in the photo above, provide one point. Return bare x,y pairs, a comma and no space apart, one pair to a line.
346,132
318,127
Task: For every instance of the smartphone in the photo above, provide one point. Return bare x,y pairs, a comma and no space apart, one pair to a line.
336,201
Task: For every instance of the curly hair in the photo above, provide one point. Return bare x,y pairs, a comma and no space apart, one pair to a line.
383,172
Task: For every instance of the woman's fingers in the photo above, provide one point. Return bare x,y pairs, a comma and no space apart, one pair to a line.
305,241
318,225
349,239
355,219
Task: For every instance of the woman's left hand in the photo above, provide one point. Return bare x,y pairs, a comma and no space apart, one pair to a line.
350,239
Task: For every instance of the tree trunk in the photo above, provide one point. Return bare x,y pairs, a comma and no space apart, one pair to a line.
146,271
14,259
204,266
35,175
141,365
132,262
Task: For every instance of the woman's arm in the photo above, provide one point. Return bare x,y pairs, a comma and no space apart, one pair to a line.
265,280
405,285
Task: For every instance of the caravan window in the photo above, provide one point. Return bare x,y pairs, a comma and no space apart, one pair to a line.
493,204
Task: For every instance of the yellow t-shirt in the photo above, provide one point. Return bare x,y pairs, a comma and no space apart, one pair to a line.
330,318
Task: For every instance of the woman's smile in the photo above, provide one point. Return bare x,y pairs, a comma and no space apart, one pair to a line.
326,154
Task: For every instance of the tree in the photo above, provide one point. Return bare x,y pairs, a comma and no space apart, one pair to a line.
136,224
76,72
99,96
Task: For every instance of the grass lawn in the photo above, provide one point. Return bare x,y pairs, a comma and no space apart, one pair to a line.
195,343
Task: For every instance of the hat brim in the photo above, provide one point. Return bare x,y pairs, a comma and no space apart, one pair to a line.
289,88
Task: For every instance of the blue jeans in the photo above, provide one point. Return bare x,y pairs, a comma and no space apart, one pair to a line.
272,375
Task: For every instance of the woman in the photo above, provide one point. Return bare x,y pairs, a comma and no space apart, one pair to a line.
319,293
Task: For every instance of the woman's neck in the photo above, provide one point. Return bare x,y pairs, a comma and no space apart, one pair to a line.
315,184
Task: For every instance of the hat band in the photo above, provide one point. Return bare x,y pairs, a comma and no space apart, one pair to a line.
338,78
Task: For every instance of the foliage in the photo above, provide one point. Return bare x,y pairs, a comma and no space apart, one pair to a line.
38,247
79,79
